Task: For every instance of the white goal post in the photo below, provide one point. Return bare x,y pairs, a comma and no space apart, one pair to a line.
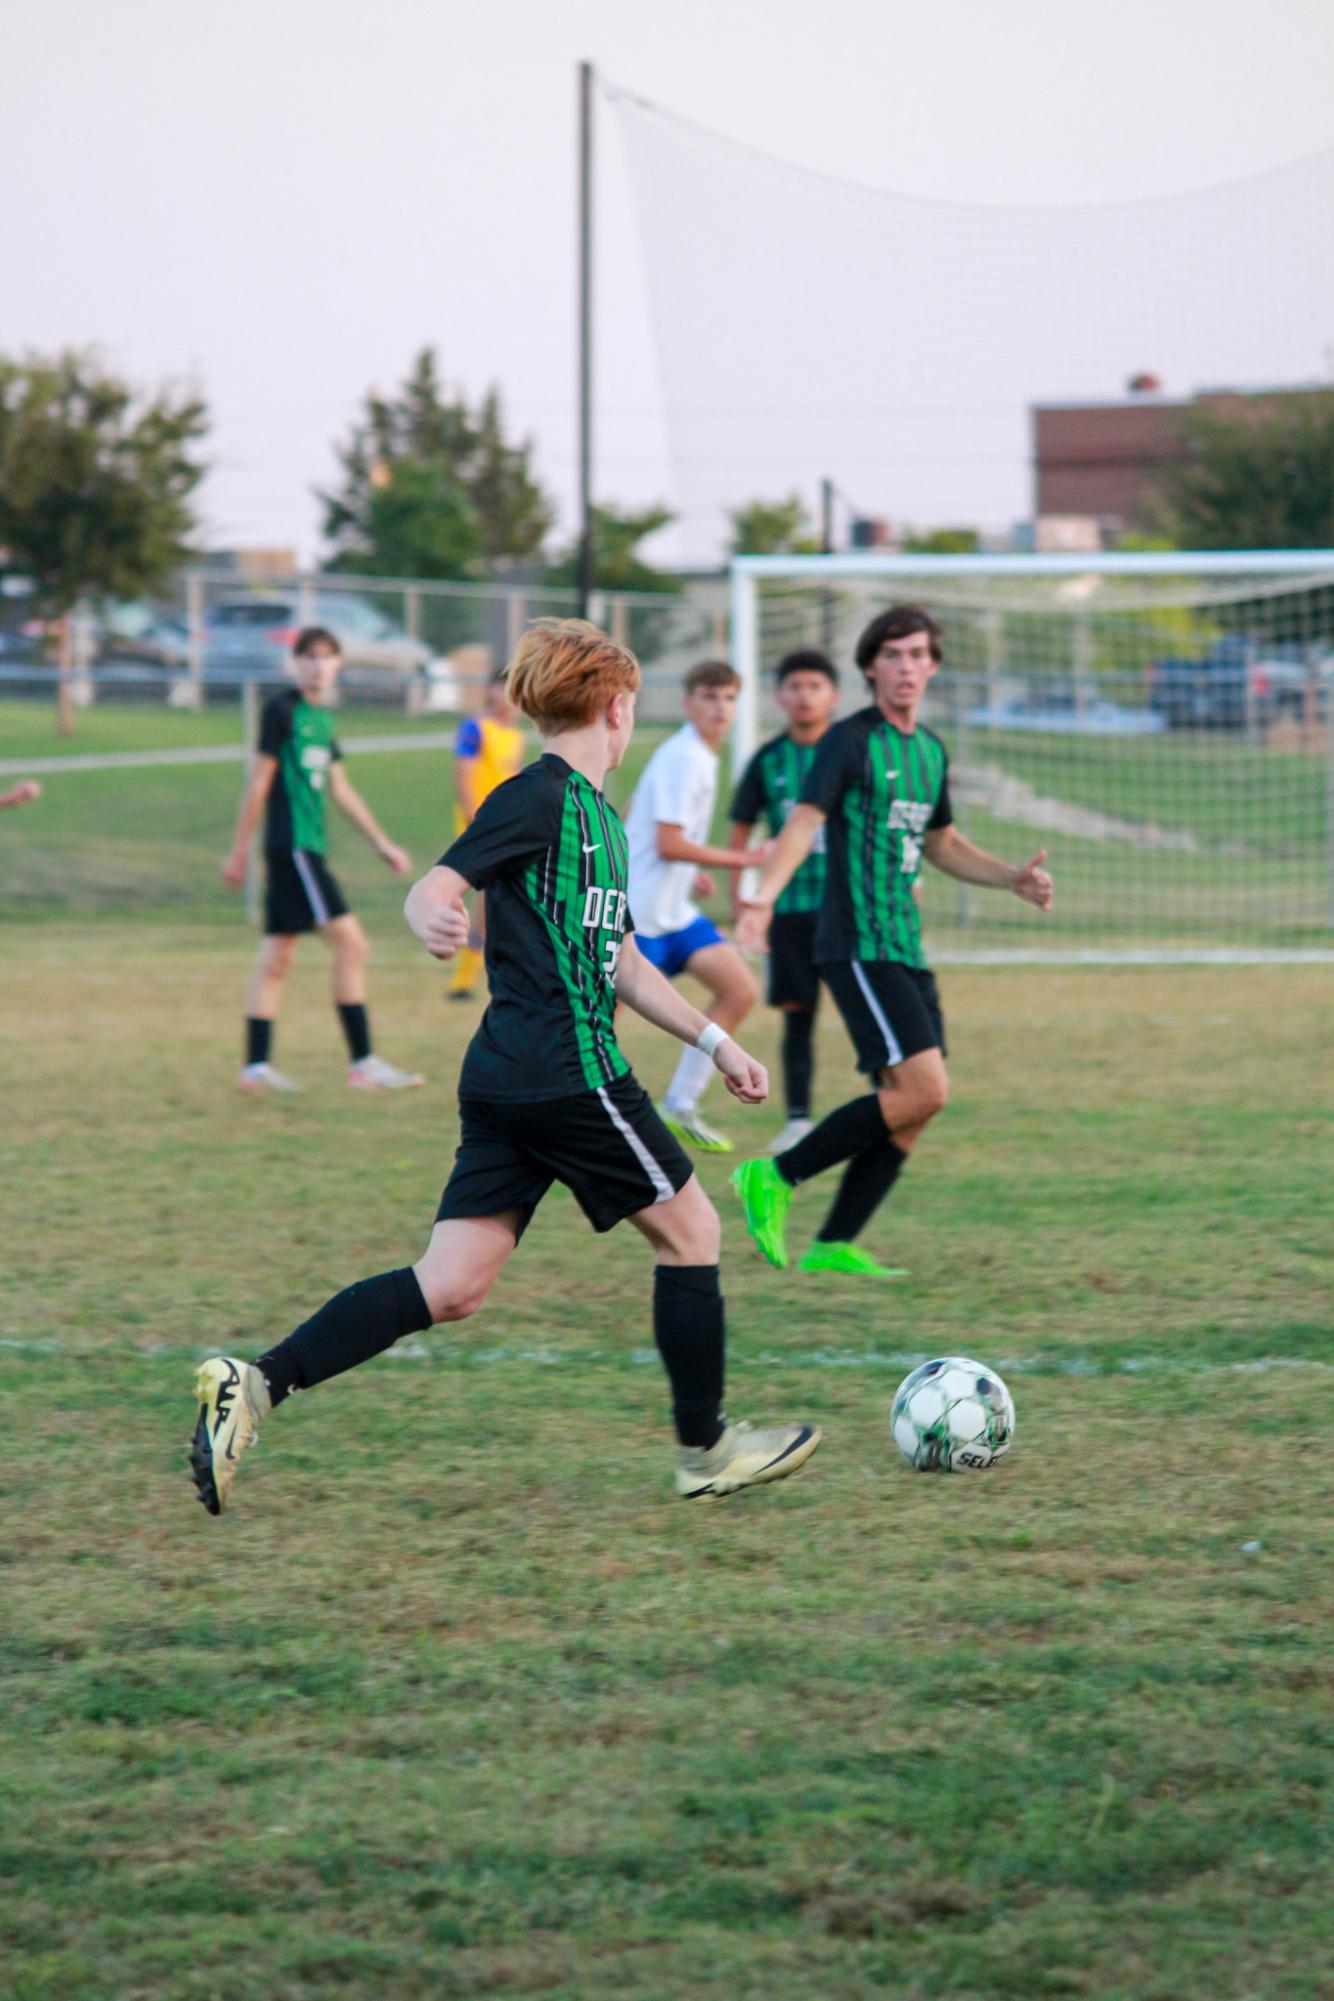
1163,724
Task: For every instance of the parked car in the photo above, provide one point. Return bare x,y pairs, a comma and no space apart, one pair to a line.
1239,682
248,637
1060,711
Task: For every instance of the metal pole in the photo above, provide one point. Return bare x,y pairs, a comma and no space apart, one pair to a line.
827,601
745,656
585,578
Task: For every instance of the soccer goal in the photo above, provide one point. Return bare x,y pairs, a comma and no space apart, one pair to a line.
1162,724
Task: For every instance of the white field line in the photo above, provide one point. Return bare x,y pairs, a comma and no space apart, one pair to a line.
213,753
863,1361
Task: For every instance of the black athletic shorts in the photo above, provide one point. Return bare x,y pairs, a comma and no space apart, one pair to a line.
608,1146
890,1011
301,894
793,978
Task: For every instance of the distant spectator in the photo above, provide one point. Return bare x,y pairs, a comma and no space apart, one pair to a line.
488,749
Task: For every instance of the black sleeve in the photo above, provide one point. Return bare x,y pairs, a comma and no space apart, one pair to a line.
275,726
942,817
748,799
836,765
335,752
513,826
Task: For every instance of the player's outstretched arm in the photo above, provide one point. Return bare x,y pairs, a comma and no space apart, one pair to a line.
651,994
348,800
947,849
21,794
435,913
257,789
674,847
788,853
738,839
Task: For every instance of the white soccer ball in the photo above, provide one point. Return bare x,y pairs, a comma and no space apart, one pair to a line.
952,1416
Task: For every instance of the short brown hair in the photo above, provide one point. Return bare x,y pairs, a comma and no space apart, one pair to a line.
564,672
311,636
901,621
712,674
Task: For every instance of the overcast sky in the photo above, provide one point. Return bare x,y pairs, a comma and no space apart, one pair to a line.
283,201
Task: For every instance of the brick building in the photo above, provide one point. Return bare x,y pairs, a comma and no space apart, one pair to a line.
1099,464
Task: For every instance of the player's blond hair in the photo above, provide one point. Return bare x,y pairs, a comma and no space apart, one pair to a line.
564,673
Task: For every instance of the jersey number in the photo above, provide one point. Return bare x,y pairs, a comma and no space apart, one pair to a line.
910,854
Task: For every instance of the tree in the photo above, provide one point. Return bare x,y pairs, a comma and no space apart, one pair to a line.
1259,476
940,542
616,564
431,488
772,528
96,482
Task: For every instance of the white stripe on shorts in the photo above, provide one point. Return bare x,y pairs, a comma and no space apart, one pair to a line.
895,1053
319,909
663,1190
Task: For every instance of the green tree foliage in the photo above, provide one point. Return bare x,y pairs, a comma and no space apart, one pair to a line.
432,488
940,542
617,564
96,480
773,528
1259,476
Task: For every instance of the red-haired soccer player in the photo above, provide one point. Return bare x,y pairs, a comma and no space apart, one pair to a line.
545,1093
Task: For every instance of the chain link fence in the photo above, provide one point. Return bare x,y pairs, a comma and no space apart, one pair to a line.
424,648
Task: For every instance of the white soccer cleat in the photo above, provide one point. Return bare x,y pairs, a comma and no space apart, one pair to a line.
372,1073
687,1124
794,1130
233,1396
744,1457
259,1077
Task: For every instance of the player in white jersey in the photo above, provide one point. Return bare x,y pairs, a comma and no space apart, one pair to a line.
670,856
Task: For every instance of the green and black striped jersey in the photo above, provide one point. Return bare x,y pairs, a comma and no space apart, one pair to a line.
551,854
300,734
770,787
882,792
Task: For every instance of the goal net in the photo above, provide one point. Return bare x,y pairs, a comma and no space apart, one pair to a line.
1160,724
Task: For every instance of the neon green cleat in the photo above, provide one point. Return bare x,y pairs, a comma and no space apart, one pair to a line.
765,1197
849,1258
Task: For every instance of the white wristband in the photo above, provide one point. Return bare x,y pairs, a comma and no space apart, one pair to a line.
709,1037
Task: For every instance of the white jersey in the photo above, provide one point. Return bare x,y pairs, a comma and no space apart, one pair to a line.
678,789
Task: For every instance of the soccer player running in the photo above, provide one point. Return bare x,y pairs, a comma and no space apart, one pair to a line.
488,749
668,828
298,760
879,785
545,1093
770,788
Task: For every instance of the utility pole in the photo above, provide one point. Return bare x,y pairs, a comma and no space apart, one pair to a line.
827,602
585,582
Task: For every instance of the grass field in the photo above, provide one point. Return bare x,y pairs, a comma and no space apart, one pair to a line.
457,1700
1237,849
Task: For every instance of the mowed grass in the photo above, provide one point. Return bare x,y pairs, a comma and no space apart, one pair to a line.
459,1700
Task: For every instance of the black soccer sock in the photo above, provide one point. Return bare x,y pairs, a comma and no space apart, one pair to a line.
798,1061
867,1179
356,1028
355,1324
848,1130
258,1039
688,1326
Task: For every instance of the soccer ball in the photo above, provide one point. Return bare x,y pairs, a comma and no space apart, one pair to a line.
952,1416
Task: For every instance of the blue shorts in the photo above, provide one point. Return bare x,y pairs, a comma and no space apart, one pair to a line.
671,949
